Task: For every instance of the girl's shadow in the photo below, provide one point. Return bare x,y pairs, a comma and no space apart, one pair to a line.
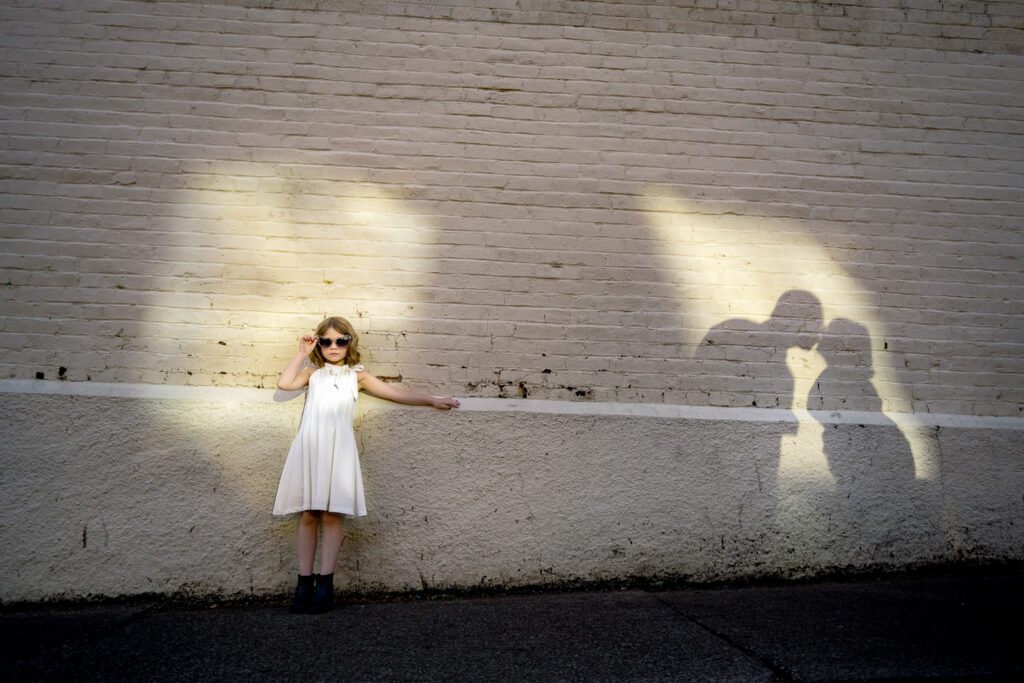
873,465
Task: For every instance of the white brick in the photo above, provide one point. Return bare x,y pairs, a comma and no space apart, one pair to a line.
498,179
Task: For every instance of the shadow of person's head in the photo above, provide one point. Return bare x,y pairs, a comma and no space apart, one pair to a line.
846,381
743,362
798,317
846,343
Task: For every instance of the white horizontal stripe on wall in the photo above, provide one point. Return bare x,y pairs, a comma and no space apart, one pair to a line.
498,405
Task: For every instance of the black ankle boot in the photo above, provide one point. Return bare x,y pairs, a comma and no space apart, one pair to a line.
323,594
303,595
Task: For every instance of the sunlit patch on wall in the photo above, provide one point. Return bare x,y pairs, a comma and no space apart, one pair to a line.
258,253
738,276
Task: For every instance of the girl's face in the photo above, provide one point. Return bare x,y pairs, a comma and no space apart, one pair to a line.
335,353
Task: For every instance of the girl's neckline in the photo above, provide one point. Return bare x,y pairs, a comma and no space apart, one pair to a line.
341,367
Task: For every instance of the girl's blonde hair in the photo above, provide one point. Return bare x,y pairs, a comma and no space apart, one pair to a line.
338,324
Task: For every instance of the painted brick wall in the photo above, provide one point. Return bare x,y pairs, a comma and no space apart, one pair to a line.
710,202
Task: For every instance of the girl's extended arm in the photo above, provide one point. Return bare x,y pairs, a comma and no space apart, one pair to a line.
294,376
376,387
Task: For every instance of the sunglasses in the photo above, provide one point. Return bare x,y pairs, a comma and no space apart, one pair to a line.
341,341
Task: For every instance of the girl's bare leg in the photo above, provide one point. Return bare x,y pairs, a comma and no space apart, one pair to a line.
331,542
306,540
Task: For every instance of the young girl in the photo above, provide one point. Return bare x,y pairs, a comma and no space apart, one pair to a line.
321,477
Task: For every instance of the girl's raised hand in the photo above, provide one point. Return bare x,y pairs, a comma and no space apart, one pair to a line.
306,344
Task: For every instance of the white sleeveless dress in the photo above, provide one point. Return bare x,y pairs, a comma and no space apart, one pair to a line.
322,469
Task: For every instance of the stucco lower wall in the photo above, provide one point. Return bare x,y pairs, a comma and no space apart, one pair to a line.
120,495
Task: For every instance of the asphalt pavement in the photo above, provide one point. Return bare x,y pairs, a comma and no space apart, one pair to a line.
953,626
